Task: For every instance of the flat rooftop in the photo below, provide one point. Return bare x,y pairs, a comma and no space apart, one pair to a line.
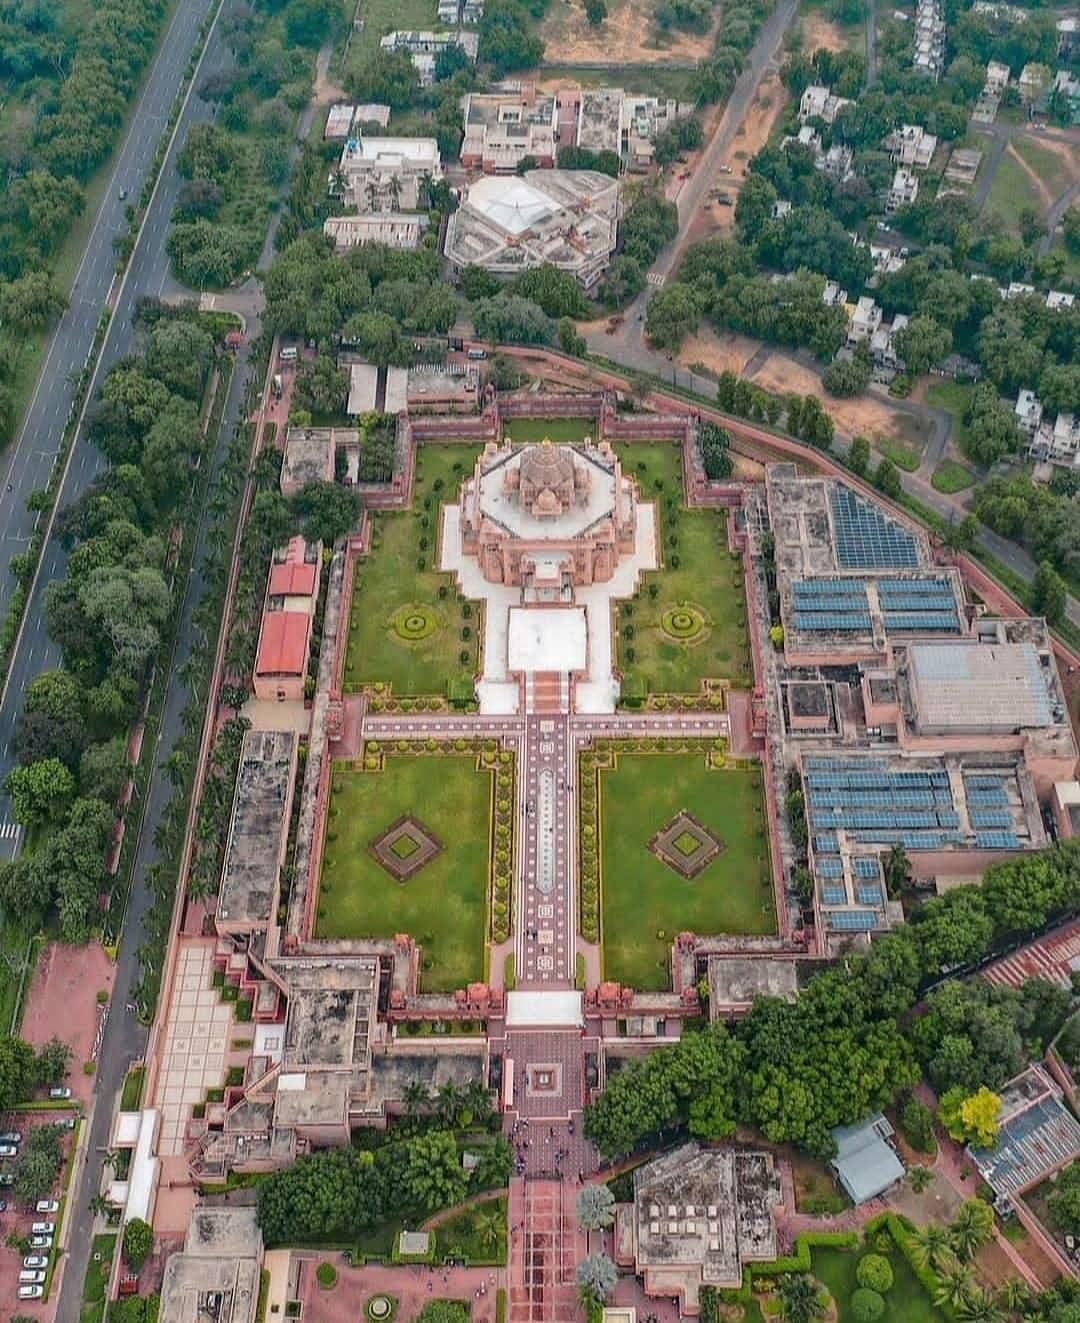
737,980
309,454
997,687
259,825
215,1279
331,1004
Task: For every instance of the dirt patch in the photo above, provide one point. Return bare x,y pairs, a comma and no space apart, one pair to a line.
820,33
63,1001
627,36
863,416
937,1203
1046,197
718,353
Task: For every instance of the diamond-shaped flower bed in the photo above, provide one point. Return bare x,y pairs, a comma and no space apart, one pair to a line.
405,847
686,845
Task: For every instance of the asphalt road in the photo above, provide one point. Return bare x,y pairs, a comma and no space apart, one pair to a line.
31,460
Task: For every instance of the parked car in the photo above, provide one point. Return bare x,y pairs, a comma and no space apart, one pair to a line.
724,169
68,1123
36,1261
7,1178
3,1205
60,1091
43,1228
47,1206
41,1242
31,1292
31,1277
8,1151
11,1137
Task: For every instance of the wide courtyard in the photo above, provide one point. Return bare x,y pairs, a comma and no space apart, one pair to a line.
683,847
408,851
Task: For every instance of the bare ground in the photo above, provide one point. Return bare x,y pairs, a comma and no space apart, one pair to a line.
627,36
863,416
63,1001
718,353
819,33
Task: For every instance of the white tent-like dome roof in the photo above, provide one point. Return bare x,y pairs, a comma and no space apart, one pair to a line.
512,204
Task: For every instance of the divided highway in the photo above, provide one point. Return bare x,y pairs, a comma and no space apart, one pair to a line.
30,461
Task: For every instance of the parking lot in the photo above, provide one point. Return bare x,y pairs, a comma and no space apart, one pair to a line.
18,1219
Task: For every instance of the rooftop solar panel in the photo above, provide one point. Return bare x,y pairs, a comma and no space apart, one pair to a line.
853,921
868,893
833,895
865,538
867,867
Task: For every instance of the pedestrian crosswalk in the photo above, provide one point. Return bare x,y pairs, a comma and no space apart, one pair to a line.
655,278
9,830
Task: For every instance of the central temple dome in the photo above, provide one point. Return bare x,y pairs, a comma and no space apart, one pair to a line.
547,466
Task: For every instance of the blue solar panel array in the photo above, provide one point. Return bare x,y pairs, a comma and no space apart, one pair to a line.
826,843
921,622
995,817
994,798
865,538
997,840
833,895
867,894
880,806
831,867
825,606
853,921
867,867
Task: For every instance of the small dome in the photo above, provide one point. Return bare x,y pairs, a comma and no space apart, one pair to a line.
547,465
547,502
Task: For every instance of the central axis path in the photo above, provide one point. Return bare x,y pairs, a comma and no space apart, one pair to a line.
546,922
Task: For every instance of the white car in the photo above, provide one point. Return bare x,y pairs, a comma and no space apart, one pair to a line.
11,1137
31,1292
41,1242
47,1206
60,1091
43,1228
31,1278
36,1261
8,1151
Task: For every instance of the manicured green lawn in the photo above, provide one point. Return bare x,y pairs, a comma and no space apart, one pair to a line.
641,896
477,1233
698,571
97,1278
572,430
907,1302
949,477
904,457
388,582
443,905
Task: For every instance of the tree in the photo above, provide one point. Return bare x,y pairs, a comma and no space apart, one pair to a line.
847,378
866,1305
40,792
954,1285
931,1246
385,76
138,1242
53,1061
595,12
557,292
444,1311
897,870
922,343
507,40
887,479
209,255
34,1176
1049,594
875,1272
596,1207
321,386
104,770
715,445
476,283
18,1072
972,1227
970,1118
570,341
673,313
917,1123
859,455
433,1176
179,353
1070,225
1064,1201
329,511
596,1277
800,1298
513,320
30,303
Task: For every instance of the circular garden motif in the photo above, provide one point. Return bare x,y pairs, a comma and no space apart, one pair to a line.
414,622
684,623
379,1307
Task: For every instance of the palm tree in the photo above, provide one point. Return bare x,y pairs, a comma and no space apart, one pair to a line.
1014,1294
979,1307
490,1228
919,1178
800,1298
415,1095
596,1277
972,1228
394,189
954,1286
450,1102
596,1207
930,1244
477,1099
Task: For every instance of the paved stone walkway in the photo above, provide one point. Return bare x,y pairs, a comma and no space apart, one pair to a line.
545,1247
546,918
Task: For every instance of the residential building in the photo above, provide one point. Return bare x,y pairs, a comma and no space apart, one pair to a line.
883,345
456,12
1057,442
392,229
386,174
566,217
781,208
1065,94
342,120
963,166
911,146
818,102
1034,80
833,296
338,121
1057,301
1029,412
837,162
997,77
886,259
426,47
865,320
608,119
699,1216
929,53
903,191
309,455
370,112
502,130
1017,289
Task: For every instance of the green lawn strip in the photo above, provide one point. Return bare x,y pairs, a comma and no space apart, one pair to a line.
1011,193
570,430
950,477
477,1234
97,1278
903,456
642,897
906,1302
131,1095
387,580
707,577
444,905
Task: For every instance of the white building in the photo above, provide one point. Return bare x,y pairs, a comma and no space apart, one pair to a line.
1017,290
997,77
566,217
1057,442
886,261
818,102
865,320
833,296
426,47
903,191
1029,412
1033,81
910,145
501,130
929,54
392,229
385,174
1057,300
608,119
